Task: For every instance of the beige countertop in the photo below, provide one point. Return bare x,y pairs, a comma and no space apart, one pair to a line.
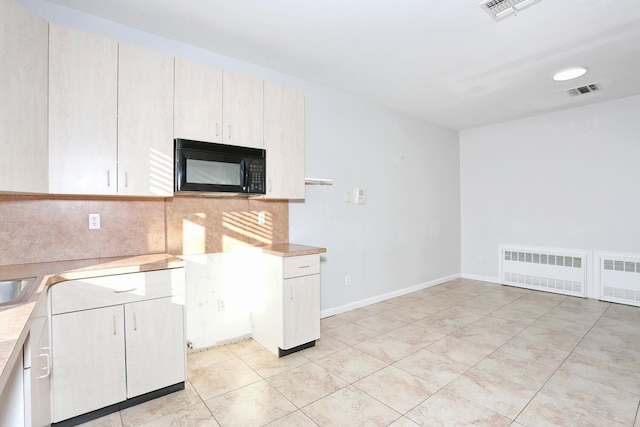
291,249
15,320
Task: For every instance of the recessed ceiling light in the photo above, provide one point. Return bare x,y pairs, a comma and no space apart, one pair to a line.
569,73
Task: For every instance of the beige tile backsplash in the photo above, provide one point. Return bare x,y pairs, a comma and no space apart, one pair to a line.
42,228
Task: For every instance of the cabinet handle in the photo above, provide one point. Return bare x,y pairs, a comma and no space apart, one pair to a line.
123,291
126,180
270,186
135,322
47,367
291,292
114,325
217,129
229,133
304,266
108,178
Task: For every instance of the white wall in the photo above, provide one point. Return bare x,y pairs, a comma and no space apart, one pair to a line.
408,233
566,180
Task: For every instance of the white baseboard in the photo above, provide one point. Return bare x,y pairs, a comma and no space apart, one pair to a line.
365,302
481,278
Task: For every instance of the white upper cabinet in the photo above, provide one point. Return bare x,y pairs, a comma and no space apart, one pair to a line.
198,101
145,122
115,109
213,105
284,142
83,125
242,110
110,117
23,99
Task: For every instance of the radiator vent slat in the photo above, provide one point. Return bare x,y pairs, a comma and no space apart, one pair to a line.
543,269
538,258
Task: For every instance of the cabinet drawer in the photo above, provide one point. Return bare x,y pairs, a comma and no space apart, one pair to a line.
303,265
95,292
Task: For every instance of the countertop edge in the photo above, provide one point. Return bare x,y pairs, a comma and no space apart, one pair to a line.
290,249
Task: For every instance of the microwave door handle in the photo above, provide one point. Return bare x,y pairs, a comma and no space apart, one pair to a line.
244,174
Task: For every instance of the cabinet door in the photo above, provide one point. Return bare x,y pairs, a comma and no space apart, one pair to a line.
301,310
155,345
198,102
284,142
88,361
242,110
23,103
41,379
83,76
145,122
12,407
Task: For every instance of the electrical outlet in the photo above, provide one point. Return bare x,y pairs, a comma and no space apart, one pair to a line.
261,218
94,221
347,280
222,305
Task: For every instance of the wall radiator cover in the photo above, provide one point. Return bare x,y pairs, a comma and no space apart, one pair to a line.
558,271
619,278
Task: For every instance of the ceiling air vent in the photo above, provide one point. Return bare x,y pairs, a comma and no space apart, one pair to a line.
582,90
500,9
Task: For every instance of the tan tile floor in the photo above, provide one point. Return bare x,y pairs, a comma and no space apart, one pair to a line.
461,353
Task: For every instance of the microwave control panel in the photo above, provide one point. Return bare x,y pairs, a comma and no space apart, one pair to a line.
256,177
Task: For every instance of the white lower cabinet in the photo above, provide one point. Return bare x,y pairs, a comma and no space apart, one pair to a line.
154,337
88,361
26,399
12,407
301,311
287,314
121,341
38,402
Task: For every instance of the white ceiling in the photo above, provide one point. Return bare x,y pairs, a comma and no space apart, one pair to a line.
446,61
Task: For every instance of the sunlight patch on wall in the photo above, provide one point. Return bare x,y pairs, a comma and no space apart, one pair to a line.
194,237
246,224
160,172
231,244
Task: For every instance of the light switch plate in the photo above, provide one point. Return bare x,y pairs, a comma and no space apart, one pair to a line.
359,196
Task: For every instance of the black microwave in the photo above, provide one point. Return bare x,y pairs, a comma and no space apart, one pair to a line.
206,167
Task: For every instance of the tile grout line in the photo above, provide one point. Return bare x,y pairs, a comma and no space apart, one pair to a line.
562,363
420,348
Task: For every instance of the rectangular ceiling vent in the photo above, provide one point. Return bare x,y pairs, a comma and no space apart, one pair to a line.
583,90
500,9
544,270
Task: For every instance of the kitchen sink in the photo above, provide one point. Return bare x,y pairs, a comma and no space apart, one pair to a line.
12,290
